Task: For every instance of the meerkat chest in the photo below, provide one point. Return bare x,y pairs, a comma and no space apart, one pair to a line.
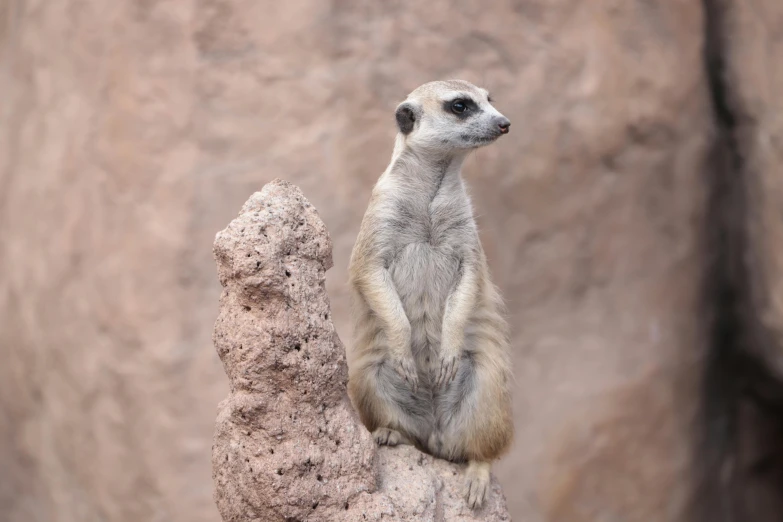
423,276
451,219
443,225
431,238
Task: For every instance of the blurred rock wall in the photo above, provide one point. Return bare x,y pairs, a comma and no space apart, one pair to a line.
745,370
132,131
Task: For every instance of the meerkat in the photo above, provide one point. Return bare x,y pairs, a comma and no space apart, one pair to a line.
429,364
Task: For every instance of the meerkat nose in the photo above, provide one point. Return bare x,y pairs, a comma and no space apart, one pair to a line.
504,124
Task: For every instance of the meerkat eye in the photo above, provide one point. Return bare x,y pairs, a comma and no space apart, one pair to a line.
458,107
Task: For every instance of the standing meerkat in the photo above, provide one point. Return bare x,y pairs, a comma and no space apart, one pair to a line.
430,364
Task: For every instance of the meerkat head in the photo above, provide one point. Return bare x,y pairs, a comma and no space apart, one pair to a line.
450,115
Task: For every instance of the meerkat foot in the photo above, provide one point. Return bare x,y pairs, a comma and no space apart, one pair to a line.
477,483
388,437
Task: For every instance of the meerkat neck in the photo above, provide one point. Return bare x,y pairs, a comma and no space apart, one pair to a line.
428,165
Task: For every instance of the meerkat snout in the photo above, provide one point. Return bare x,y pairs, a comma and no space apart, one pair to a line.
503,124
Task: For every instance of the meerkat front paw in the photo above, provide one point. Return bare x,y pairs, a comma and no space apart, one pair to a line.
477,484
447,370
405,365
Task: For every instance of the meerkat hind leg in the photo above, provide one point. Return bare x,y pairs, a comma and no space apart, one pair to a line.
477,483
472,427
389,437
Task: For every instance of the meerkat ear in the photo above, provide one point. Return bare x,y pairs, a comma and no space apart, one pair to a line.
407,113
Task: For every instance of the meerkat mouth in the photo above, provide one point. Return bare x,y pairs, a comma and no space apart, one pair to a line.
479,139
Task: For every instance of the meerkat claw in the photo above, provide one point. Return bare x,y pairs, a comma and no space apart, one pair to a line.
447,371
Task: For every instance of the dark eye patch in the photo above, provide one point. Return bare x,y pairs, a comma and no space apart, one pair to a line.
471,107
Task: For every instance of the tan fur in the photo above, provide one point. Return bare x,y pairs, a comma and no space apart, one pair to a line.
429,363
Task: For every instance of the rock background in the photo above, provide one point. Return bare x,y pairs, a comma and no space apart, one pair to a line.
131,131
745,438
